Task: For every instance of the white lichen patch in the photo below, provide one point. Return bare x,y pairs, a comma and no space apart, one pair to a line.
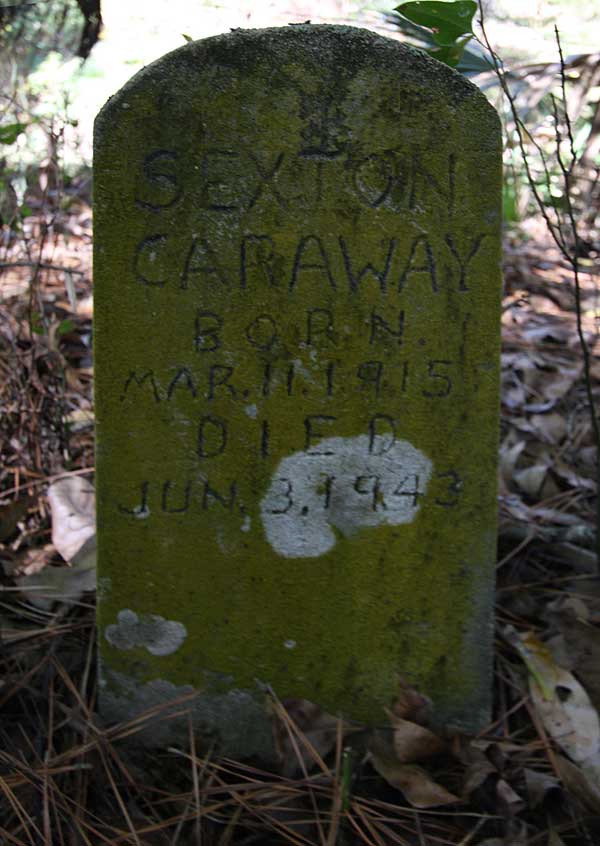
342,485
303,371
150,631
247,524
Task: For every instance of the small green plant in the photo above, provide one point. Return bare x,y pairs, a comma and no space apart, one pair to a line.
9,132
445,28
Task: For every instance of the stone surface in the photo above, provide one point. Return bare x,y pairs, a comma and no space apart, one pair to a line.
297,244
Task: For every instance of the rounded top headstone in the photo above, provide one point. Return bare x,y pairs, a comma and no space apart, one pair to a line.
297,243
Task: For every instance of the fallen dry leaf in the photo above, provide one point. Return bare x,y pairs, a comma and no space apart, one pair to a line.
34,560
476,775
538,784
80,418
575,480
552,428
412,742
569,716
310,722
509,455
577,784
540,513
563,706
577,647
73,504
562,383
410,704
57,584
560,700
10,515
416,784
510,800
531,479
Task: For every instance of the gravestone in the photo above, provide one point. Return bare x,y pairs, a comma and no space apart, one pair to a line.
297,244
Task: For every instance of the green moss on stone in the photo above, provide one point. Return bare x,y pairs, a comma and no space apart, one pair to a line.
243,187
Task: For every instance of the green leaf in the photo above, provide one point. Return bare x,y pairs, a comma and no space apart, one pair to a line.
510,205
187,37
37,324
65,327
11,131
451,54
448,21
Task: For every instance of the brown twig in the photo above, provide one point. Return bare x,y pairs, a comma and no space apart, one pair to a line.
42,265
569,253
84,471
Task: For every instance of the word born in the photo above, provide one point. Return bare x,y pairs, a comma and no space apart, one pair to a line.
317,328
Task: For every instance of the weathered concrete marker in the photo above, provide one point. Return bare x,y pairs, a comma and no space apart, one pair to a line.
297,326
